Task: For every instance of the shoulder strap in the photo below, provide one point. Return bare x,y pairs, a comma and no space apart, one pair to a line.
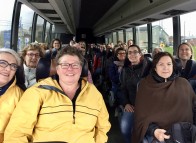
48,87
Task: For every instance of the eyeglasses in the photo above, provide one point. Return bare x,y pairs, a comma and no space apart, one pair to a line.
133,52
121,53
31,55
4,64
67,65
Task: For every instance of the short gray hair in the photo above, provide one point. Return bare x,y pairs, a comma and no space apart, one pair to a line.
12,52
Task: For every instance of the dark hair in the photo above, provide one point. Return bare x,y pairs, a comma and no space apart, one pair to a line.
70,50
56,39
159,55
189,45
119,49
138,48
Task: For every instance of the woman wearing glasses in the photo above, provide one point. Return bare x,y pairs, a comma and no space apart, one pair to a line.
10,92
64,108
31,55
114,71
132,73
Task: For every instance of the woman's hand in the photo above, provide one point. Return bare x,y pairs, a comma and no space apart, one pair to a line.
160,135
129,108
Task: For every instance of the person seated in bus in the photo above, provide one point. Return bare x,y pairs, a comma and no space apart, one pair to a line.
10,92
185,54
99,66
131,74
82,47
160,97
114,70
55,46
64,108
156,50
124,46
31,55
129,42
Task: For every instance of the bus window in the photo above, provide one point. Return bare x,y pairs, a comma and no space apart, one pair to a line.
120,36
47,34
142,37
162,35
188,31
6,10
39,29
129,34
25,27
114,38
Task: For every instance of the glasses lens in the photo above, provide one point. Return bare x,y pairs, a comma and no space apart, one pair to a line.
13,66
67,65
3,63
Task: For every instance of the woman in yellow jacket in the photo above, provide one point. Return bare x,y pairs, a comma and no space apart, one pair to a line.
10,92
64,108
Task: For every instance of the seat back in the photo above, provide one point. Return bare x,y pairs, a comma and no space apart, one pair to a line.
45,68
178,67
190,69
147,65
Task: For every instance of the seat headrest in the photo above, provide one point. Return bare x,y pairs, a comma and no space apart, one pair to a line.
178,67
148,55
147,65
43,68
84,69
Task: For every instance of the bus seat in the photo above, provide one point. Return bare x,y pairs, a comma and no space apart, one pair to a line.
178,67
190,70
45,68
85,69
147,65
148,55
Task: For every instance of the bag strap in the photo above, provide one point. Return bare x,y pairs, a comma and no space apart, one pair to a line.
48,87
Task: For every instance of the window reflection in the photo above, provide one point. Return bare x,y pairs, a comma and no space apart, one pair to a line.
162,34
129,34
39,29
5,22
120,36
25,27
47,34
142,37
188,30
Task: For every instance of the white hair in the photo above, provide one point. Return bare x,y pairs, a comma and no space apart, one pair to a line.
12,52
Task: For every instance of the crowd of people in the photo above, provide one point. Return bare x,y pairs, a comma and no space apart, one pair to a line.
69,106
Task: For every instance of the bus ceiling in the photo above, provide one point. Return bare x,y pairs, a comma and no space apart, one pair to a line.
103,16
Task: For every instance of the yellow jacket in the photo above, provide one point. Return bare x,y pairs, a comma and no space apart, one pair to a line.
48,115
8,103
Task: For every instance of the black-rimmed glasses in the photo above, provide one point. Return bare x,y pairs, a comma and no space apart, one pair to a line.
31,55
67,65
4,64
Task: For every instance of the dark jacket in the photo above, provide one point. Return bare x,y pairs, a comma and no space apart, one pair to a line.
130,77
